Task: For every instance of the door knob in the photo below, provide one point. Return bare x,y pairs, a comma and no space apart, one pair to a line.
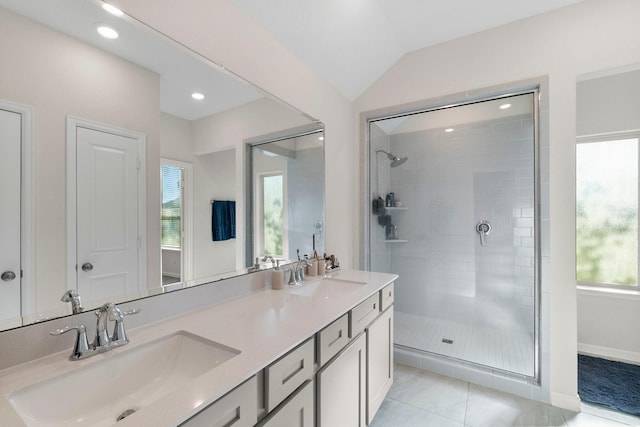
8,275
87,266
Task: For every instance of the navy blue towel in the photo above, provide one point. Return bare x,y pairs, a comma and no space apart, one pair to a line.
223,220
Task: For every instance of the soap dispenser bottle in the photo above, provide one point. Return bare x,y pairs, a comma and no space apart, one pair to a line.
277,277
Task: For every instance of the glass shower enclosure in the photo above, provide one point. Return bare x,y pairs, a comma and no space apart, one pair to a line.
454,213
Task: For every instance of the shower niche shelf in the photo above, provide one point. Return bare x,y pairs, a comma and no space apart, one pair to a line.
395,241
396,208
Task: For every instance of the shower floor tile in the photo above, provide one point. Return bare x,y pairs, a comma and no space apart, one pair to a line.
498,349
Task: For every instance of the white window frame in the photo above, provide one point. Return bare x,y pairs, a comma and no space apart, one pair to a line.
614,287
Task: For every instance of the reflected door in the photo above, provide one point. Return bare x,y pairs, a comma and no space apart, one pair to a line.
10,143
107,214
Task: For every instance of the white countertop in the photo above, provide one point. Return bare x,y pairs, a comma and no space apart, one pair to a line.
263,325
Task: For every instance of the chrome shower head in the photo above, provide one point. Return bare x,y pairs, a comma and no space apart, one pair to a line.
398,161
395,160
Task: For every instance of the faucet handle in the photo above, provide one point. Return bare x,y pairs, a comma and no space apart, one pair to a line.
119,335
81,347
132,311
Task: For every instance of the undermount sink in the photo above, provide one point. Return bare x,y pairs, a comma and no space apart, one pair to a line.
120,384
327,288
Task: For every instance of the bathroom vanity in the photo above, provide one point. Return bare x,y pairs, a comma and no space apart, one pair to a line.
318,354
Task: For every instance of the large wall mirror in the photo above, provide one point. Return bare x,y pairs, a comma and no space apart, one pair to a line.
111,168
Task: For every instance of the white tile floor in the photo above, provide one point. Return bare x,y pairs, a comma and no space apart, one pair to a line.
500,349
420,398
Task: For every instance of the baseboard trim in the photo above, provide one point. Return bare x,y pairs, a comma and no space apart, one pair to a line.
565,401
609,353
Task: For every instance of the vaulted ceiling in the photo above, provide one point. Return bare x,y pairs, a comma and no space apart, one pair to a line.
351,43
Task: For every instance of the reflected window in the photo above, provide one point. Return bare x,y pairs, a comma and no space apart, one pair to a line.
171,206
607,211
273,218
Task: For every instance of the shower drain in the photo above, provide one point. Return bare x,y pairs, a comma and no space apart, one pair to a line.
447,341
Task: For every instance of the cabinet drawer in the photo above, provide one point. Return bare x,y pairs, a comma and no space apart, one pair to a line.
296,411
386,297
363,314
287,374
238,408
332,339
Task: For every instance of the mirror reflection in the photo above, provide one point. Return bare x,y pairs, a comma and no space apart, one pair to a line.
288,197
101,127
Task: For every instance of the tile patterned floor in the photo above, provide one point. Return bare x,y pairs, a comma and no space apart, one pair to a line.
499,349
419,398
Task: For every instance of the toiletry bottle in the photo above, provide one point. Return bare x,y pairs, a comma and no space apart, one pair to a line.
312,269
387,201
277,276
321,266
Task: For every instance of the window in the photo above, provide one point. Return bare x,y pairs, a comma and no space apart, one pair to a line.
171,206
273,205
607,211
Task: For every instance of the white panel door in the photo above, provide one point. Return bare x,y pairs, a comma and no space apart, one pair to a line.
107,214
10,145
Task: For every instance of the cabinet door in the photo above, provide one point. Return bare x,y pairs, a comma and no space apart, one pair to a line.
341,386
238,408
296,411
379,361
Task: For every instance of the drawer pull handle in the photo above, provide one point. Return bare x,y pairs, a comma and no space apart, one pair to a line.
231,418
337,339
299,369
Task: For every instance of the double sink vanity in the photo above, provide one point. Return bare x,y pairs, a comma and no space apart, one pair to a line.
317,354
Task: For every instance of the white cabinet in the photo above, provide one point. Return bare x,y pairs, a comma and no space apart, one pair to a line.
379,361
296,411
353,376
341,386
238,408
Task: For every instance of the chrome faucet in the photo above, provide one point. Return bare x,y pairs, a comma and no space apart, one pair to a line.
297,272
102,341
102,338
74,298
269,257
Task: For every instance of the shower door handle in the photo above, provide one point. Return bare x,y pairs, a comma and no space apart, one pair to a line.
483,228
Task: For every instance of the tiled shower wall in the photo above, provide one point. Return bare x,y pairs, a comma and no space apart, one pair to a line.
482,171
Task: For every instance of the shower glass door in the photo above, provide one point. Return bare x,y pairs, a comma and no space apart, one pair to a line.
453,213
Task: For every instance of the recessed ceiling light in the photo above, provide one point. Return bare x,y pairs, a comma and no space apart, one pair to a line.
449,130
505,106
197,96
112,9
108,32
